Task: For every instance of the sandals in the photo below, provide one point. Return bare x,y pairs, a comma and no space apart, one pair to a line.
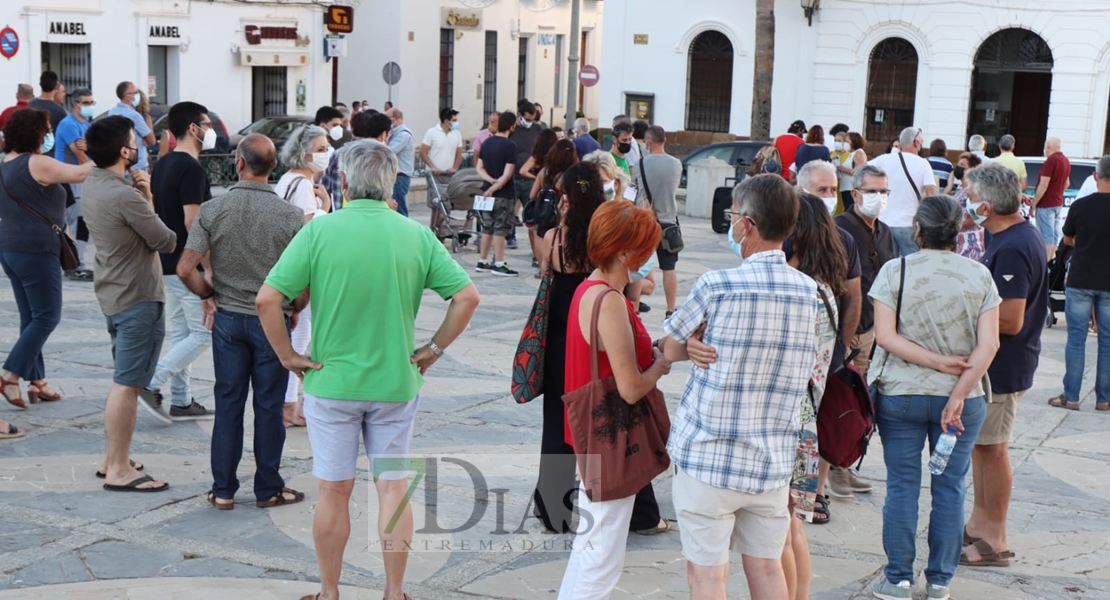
821,509
969,539
668,525
1059,402
133,486
987,556
12,433
134,465
16,400
279,498
214,501
1102,406
37,391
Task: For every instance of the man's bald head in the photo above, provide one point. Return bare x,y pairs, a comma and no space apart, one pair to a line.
24,92
259,157
395,114
1052,145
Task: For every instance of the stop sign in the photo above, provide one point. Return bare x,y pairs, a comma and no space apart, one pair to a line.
589,76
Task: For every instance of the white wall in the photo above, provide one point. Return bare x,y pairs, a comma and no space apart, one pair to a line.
209,71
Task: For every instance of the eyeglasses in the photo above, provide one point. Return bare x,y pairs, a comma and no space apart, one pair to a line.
870,191
86,102
207,124
730,215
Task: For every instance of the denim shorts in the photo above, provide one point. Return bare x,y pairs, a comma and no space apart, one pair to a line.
1048,222
137,333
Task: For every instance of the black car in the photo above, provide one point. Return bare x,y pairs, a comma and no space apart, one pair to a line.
738,154
277,128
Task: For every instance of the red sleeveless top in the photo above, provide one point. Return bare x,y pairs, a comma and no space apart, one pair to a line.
578,349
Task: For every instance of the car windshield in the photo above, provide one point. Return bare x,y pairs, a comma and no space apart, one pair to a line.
272,128
723,152
1079,174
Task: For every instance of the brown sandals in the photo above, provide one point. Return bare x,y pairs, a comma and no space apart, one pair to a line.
215,502
17,399
37,390
988,557
279,498
1062,402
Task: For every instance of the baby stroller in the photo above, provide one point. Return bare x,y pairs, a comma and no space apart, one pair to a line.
453,214
1057,278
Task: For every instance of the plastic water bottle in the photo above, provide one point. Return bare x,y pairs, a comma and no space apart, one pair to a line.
943,451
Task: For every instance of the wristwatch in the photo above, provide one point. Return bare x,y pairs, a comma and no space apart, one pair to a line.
435,349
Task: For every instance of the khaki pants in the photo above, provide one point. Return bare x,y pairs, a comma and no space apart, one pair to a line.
864,341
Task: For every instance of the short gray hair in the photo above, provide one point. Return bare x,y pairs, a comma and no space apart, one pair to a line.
1102,171
938,221
1006,143
996,185
371,169
909,135
976,143
298,145
805,175
864,172
604,161
343,110
771,204
582,125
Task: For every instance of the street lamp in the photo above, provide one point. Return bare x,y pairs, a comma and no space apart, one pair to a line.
810,7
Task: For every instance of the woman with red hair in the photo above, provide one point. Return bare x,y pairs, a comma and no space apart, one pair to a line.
621,238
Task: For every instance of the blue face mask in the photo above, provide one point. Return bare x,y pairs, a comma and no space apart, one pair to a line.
88,111
47,143
734,244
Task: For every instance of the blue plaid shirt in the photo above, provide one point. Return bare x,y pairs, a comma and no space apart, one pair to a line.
330,181
737,425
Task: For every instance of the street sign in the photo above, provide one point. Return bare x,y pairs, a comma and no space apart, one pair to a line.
391,73
589,76
340,19
9,42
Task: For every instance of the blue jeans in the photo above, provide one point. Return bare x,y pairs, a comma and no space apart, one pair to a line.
1077,308
401,194
1048,223
190,338
905,424
37,284
903,240
243,360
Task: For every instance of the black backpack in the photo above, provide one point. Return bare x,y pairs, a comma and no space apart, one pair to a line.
543,212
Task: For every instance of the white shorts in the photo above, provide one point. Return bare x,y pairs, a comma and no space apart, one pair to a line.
712,520
335,426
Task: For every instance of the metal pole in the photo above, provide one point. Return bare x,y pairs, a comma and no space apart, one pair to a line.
334,80
572,64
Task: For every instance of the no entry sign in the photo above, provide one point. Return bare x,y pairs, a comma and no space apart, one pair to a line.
589,76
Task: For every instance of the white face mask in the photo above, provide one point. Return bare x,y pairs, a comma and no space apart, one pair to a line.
973,208
838,146
319,162
610,189
336,133
209,141
872,205
830,204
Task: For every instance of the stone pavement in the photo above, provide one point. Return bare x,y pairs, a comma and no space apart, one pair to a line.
62,537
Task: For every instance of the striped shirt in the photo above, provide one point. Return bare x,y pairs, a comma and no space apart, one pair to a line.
737,425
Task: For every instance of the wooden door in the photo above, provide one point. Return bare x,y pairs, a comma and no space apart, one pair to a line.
1029,114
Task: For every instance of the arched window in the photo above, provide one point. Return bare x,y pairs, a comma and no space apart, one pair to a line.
709,83
1010,90
891,89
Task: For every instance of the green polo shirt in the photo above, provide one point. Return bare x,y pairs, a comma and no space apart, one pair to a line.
367,268
622,162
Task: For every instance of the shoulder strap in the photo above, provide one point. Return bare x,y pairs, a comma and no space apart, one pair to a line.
643,177
53,227
293,186
594,370
853,221
897,305
909,177
829,310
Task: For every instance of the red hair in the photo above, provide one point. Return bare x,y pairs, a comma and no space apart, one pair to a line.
619,226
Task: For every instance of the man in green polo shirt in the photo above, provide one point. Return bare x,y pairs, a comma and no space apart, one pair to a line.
366,267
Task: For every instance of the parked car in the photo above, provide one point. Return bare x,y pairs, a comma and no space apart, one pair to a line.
738,154
277,128
1081,170
163,123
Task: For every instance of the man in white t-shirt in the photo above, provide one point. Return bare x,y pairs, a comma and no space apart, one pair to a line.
442,147
911,179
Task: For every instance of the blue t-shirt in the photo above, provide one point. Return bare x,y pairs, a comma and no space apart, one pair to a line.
585,144
941,169
1017,262
497,153
141,130
69,130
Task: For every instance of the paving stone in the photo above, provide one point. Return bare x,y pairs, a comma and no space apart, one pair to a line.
59,569
211,567
113,560
16,536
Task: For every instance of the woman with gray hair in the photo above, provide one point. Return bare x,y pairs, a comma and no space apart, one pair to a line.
936,321
306,154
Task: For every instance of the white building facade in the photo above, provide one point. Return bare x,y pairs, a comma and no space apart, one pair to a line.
951,68
242,60
476,56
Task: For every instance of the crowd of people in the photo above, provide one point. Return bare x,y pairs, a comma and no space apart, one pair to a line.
926,276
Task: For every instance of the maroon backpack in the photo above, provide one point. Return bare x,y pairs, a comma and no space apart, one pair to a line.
846,417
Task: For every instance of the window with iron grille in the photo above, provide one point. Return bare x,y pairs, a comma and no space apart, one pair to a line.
891,89
446,68
522,70
490,90
72,63
709,83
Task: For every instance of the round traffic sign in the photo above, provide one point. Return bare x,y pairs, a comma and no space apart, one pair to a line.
391,73
589,76
9,42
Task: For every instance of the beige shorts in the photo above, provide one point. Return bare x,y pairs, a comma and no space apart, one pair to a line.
1000,420
713,520
864,341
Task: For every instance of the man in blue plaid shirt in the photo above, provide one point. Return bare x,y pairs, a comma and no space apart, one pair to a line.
734,436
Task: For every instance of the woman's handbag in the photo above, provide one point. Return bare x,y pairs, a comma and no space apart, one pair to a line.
68,253
620,447
528,362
